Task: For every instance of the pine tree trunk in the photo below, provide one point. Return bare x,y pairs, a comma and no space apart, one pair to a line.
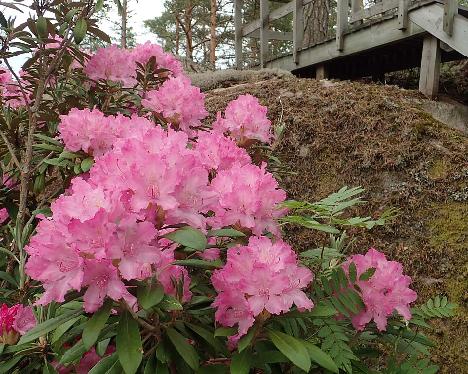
123,35
316,22
188,33
213,33
177,37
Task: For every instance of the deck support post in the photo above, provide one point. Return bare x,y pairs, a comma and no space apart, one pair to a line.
238,32
430,67
450,10
321,72
356,7
298,31
341,22
264,18
403,14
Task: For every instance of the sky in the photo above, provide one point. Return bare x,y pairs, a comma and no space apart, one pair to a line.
141,11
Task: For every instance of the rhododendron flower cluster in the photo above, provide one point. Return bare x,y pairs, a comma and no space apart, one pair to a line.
261,276
9,89
3,215
86,363
245,119
385,292
180,103
15,321
107,228
119,65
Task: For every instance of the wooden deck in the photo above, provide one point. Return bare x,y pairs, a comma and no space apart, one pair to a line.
389,36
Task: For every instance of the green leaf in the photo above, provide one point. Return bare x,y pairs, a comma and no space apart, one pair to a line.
367,274
170,303
225,331
292,348
79,31
185,350
95,324
245,341
321,358
41,26
352,272
202,264
228,233
62,329
188,237
7,277
48,369
207,335
87,164
3,21
128,341
73,354
108,365
99,5
150,294
6,366
241,362
47,326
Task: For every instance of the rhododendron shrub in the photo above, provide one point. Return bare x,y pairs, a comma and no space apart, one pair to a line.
137,236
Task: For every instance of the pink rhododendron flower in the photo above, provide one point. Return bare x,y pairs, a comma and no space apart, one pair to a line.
262,276
210,254
3,215
385,292
112,63
9,89
218,152
248,197
14,321
102,280
143,52
245,119
180,103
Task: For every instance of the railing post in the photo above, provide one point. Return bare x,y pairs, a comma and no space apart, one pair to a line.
298,29
450,9
357,6
238,32
341,22
264,17
403,14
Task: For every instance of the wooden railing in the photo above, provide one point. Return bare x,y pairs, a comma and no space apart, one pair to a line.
349,16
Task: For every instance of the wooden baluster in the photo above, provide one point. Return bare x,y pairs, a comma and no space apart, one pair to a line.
238,32
403,14
356,7
450,10
264,17
341,22
430,67
298,29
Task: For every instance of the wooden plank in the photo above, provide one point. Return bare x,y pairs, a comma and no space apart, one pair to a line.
341,22
374,10
298,29
430,67
264,17
430,18
273,35
364,39
403,14
238,4
450,9
278,13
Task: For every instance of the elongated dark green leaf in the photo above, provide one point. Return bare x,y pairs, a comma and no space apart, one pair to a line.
241,362
3,21
352,272
99,5
73,354
62,329
317,311
225,331
95,324
245,341
41,27
229,233
367,274
189,237
150,295
202,264
185,350
128,341
7,277
108,365
6,366
207,335
48,369
48,326
292,348
79,31
321,358
170,303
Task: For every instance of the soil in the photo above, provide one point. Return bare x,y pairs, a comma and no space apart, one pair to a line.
379,137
